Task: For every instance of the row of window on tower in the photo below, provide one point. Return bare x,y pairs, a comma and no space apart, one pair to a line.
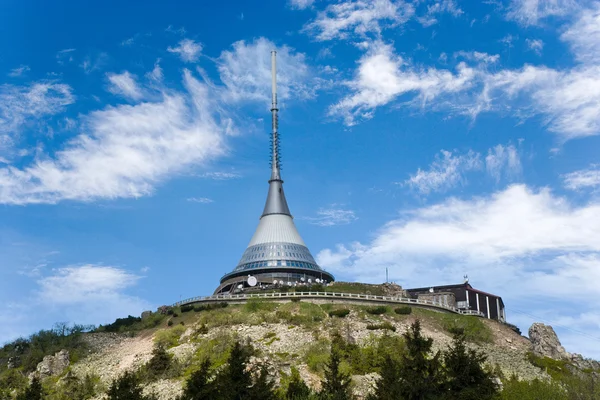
277,263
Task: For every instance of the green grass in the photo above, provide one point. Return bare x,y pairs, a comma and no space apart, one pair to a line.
317,355
557,369
169,337
474,329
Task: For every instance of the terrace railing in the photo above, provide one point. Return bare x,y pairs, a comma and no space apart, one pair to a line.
325,295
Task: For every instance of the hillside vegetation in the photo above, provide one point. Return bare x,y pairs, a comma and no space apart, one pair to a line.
299,349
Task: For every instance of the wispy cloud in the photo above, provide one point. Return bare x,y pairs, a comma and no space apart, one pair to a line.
124,84
333,215
117,156
64,56
445,172
583,179
246,72
533,12
503,160
219,175
301,4
202,200
358,18
535,45
19,71
20,105
94,63
439,7
188,50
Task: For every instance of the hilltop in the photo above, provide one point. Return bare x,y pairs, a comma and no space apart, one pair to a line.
285,335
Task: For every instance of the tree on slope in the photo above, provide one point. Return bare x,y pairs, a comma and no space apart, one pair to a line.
417,375
33,392
336,385
297,388
466,379
127,387
199,385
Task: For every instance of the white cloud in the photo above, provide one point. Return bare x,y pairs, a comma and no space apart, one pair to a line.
78,284
124,84
19,71
382,76
331,216
219,175
20,105
583,179
532,12
89,294
65,55
569,100
536,45
531,247
584,36
439,7
157,73
445,172
358,17
91,64
188,50
125,151
478,56
202,200
246,72
301,4
503,160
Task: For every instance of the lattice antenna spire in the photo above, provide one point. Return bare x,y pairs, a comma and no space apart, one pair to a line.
275,153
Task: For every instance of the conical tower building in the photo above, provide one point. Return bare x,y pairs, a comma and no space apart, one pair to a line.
276,253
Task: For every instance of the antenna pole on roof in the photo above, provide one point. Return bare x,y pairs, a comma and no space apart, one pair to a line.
275,174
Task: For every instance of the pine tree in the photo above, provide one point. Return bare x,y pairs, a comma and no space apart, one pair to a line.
466,377
234,381
199,385
159,363
33,392
263,388
336,385
126,387
297,388
416,375
388,386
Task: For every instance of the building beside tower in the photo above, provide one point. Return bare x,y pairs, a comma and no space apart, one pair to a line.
276,254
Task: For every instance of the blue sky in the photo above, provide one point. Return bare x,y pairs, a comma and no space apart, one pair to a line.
435,138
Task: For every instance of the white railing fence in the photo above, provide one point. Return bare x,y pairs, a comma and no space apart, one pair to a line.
349,296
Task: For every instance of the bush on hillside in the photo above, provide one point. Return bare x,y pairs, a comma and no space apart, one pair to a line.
383,326
406,310
187,308
377,310
340,313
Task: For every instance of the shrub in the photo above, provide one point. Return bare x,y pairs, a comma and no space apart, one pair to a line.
383,326
316,356
472,328
202,330
295,300
187,308
210,306
254,305
159,363
377,310
169,337
406,310
170,323
340,313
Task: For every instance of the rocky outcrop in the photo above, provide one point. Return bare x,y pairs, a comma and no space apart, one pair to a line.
545,343
53,365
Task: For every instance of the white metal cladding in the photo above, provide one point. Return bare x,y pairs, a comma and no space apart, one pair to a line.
276,228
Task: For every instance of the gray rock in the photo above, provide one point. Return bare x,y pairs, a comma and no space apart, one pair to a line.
545,343
53,365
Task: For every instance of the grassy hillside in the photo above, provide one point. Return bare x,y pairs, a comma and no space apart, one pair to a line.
296,334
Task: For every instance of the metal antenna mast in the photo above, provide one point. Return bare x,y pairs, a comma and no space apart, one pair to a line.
275,175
